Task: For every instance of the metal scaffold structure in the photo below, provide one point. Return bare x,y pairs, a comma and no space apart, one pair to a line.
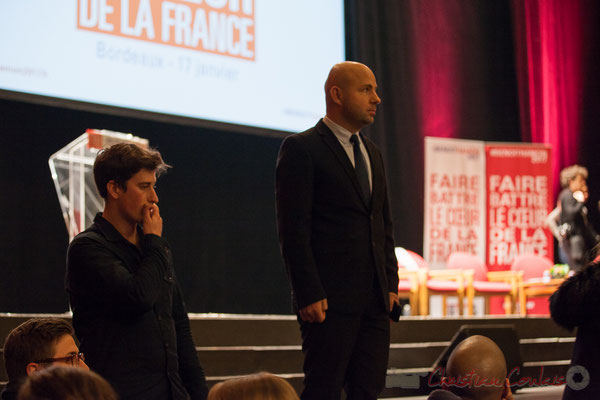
71,169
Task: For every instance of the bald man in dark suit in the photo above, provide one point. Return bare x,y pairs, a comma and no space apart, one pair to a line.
335,232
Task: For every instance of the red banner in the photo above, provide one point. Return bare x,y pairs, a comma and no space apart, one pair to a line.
454,199
519,196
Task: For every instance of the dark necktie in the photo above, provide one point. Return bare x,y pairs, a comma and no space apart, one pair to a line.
361,168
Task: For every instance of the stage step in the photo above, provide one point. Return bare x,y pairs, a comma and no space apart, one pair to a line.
233,345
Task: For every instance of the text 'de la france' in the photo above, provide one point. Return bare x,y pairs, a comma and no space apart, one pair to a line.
224,27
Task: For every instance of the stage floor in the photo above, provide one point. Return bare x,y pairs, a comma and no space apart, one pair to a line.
231,345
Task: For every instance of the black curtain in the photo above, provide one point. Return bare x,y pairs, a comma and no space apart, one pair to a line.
589,148
217,203
393,38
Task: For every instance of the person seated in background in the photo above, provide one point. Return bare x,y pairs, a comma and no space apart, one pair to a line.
61,383
476,370
261,386
33,346
575,305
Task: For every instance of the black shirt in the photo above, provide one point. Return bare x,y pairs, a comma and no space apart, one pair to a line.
129,315
10,391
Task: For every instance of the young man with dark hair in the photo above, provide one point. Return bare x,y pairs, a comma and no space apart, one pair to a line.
33,346
122,162
128,309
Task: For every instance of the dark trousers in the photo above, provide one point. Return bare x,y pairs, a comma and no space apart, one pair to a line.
575,249
347,351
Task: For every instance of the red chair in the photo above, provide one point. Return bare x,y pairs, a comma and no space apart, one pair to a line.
442,282
532,266
481,283
411,269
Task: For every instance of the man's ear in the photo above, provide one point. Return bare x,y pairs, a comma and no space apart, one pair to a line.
336,95
33,367
113,189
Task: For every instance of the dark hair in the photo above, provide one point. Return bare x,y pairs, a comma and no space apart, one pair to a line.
121,161
64,383
33,340
260,386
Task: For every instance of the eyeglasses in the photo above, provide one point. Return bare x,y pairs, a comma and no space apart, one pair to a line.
73,360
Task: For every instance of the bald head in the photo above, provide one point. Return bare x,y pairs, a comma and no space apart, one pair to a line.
479,364
351,95
343,74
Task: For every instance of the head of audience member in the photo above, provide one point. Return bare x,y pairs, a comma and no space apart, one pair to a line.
261,386
476,369
351,95
38,343
573,177
61,383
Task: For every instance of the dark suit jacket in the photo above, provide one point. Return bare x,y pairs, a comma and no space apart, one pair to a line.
333,243
571,212
574,213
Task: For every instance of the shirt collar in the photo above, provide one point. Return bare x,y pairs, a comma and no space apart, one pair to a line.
339,131
109,231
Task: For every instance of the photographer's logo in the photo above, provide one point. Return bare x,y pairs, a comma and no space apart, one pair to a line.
578,377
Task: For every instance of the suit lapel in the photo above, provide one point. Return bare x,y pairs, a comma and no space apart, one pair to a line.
340,154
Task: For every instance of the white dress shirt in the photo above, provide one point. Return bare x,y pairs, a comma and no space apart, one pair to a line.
343,135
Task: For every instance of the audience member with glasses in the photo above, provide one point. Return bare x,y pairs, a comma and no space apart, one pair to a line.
34,346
